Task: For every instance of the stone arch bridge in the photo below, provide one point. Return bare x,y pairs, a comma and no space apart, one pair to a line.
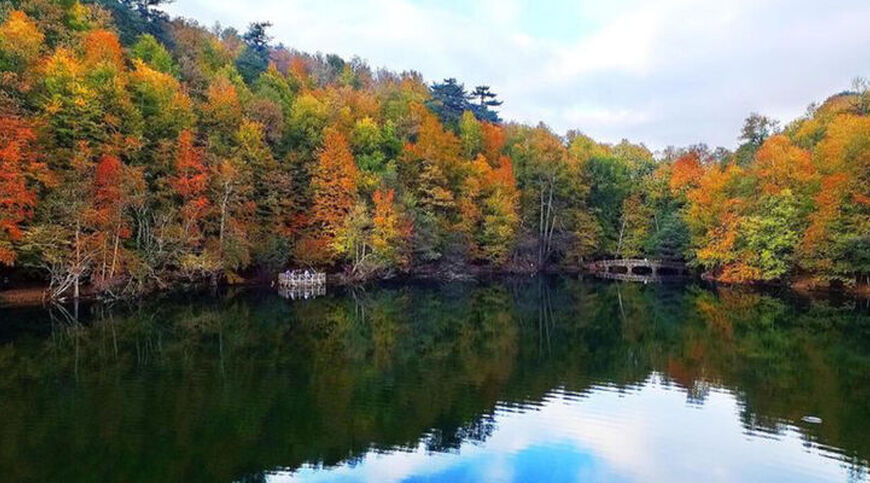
639,269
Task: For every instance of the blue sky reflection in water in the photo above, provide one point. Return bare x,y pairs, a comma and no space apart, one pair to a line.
651,432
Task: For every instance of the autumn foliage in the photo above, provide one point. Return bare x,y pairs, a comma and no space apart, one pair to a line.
102,47
191,182
20,171
137,151
685,172
390,230
334,187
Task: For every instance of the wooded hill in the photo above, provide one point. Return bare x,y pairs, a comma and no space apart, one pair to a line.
139,151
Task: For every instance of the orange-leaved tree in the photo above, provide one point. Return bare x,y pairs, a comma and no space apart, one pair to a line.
20,171
712,213
391,231
836,245
686,172
191,185
106,217
102,47
335,192
20,45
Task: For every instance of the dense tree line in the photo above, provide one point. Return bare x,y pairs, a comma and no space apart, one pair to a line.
137,151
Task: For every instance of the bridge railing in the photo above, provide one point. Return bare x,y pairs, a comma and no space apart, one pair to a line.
627,268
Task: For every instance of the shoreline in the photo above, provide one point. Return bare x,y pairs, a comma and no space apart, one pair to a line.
33,296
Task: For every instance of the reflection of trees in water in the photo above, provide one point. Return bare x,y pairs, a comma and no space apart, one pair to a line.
450,438
251,381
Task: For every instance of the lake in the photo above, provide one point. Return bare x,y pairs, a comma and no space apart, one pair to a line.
543,379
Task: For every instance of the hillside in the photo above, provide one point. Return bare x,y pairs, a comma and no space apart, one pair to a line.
139,152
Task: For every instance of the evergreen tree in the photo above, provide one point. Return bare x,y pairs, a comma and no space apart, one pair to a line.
255,58
137,17
449,100
486,100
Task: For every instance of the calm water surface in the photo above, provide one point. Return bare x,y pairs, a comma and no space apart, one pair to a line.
533,380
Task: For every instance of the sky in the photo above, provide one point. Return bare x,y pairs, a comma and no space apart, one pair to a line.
661,72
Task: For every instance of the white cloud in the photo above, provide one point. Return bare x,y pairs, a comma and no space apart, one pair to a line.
648,433
578,116
658,71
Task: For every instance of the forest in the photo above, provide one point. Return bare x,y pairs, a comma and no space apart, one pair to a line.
140,152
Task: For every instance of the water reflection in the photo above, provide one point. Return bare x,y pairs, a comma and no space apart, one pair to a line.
606,434
591,379
302,293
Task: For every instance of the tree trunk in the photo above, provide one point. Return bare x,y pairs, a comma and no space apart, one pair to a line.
619,243
114,255
541,231
224,202
550,236
77,268
549,225
105,263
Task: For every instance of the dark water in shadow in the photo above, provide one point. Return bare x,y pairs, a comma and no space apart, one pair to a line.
533,380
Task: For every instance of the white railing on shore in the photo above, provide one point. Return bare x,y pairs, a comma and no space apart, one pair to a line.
299,278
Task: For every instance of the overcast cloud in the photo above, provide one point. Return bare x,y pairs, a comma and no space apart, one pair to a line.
657,71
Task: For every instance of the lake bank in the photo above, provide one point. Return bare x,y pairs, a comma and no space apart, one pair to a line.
35,295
